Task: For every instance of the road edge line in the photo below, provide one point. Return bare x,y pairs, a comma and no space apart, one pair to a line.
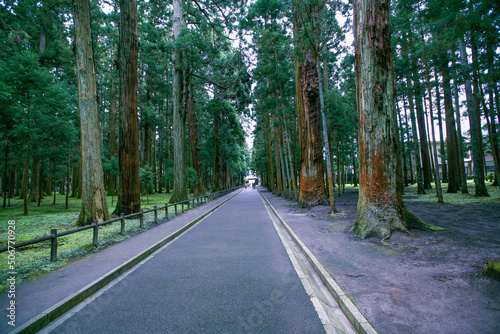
52,313
356,318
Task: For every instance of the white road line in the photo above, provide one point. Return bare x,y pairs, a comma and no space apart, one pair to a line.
323,302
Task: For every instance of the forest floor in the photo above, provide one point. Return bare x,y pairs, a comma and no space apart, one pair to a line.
422,282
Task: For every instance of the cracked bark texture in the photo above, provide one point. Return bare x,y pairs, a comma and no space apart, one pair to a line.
380,207
94,204
128,152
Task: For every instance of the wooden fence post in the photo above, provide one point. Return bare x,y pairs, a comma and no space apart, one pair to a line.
156,214
53,245
166,211
175,209
96,231
141,221
122,224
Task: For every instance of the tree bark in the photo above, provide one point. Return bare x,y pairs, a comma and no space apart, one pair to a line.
311,184
491,85
420,180
410,163
451,133
435,156
380,206
179,130
444,166
94,205
403,150
326,142
112,180
128,153
476,136
194,143
492,134
424,145
460,139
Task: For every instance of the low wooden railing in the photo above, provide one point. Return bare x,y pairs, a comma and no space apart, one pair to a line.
54,235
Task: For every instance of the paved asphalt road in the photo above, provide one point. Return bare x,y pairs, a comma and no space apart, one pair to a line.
228,274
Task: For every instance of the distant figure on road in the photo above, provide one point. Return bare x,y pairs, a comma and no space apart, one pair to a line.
253,185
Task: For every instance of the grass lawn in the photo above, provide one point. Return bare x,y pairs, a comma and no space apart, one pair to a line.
455,198
411,195
34,261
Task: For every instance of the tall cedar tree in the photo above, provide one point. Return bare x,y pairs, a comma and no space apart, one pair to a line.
94,205
474,124
179,112
312,185
128,152
380,207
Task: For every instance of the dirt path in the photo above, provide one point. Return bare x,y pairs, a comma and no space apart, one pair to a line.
419,283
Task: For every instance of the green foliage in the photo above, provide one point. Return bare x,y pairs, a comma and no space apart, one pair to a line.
192,176
169,175
146,178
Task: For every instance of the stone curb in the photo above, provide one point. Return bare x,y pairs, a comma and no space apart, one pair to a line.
46,317
356,318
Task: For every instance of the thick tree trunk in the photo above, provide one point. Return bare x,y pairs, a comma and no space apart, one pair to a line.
492,134
179,130
451,133
290,166
94,204
286,189
476,136
460,139
194,143
128,153
112,179
435,156
311,185
420,180
491,85
424,145
380,207
444,166
326,143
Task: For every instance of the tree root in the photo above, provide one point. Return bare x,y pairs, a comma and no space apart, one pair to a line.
413,222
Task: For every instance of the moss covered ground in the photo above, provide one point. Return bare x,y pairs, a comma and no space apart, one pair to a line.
34,261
